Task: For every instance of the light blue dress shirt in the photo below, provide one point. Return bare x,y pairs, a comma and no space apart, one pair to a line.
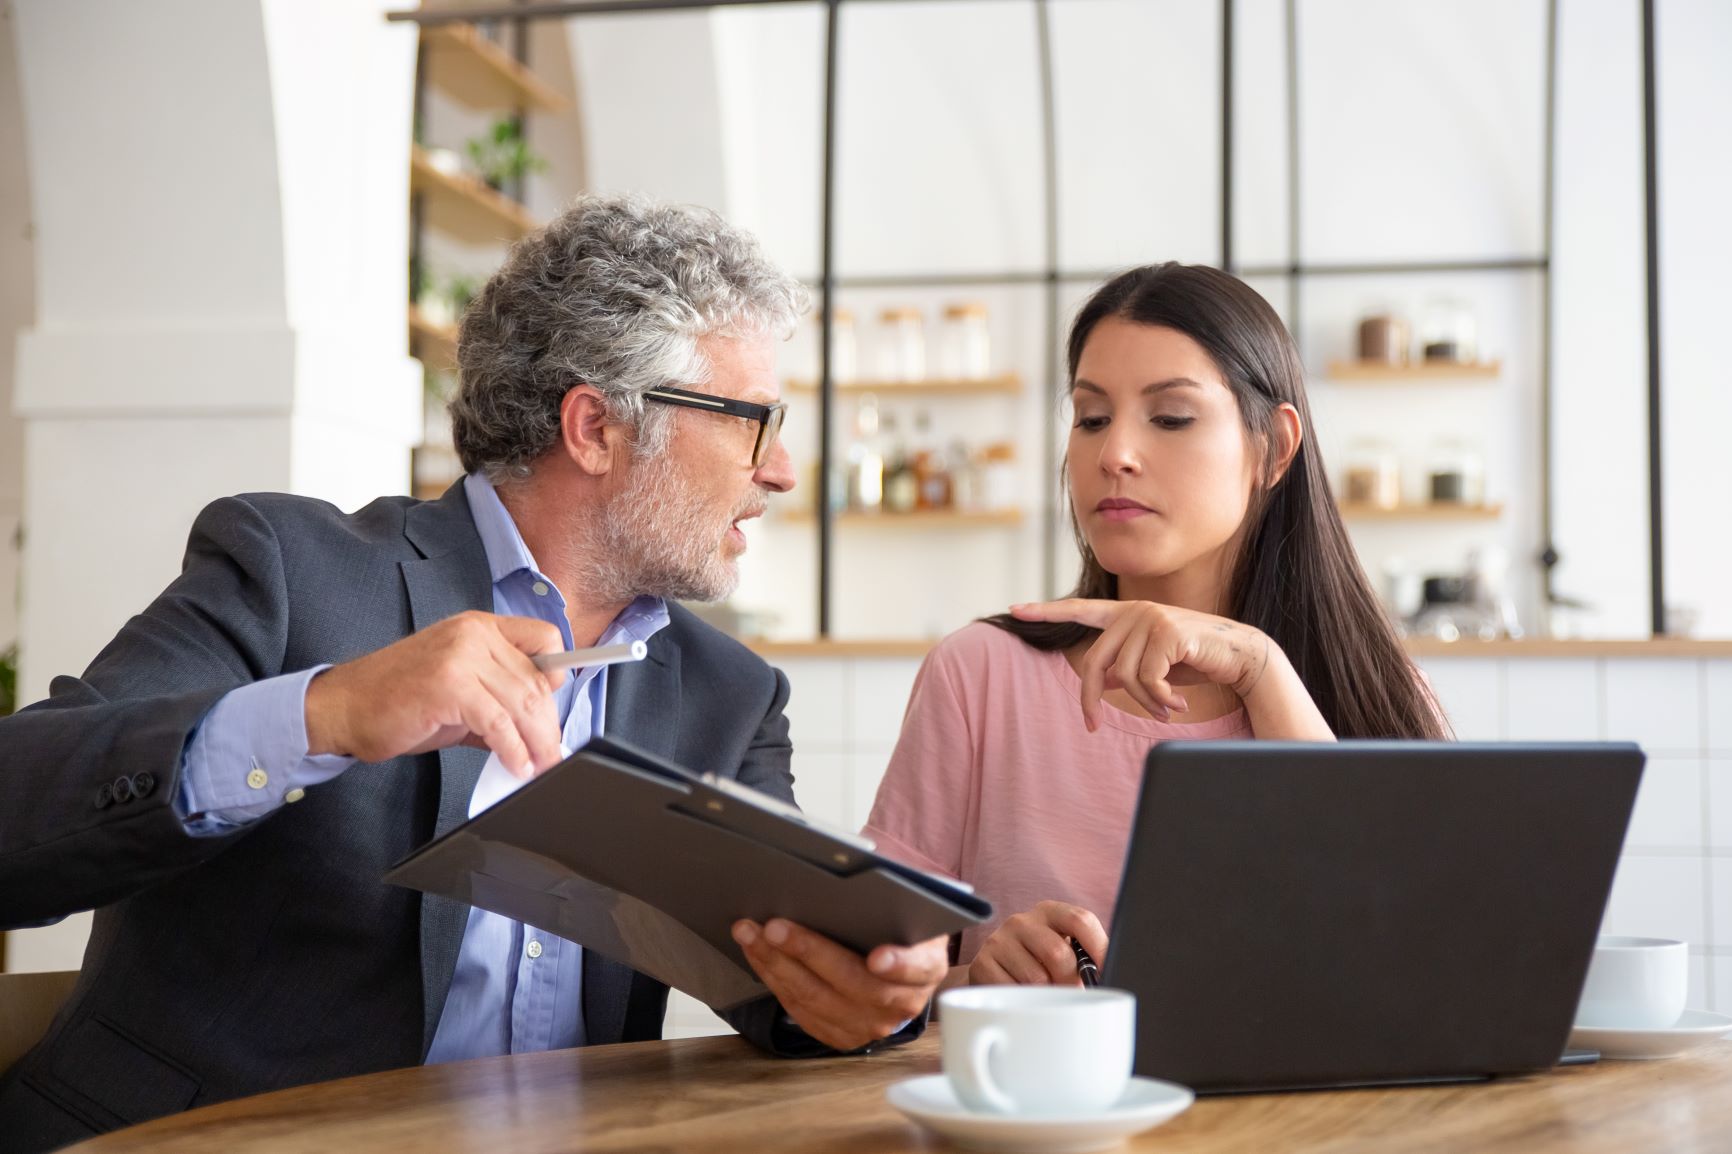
516,989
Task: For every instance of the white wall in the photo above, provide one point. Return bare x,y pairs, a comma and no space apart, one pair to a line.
1694,99
17,307
1599,419
220,198
238,330
650,105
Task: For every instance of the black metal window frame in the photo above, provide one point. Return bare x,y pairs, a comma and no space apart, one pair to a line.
1295,270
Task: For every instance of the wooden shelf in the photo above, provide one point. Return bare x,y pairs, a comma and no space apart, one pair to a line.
465,208
1008,383
1438,512
920,519
473,70
435,344
1375,372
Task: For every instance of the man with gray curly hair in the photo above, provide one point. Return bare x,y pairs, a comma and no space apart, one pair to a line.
318,692
641,304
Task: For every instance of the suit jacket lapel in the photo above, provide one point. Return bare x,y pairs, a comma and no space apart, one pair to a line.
643,699
451,577
643,708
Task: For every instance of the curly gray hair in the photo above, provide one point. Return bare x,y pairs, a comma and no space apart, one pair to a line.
614,293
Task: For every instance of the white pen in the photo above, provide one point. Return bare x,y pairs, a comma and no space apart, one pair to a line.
599,655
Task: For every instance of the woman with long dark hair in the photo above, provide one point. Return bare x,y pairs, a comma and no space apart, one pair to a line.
1220,598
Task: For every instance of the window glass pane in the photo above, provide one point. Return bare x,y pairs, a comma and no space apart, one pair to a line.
1138,112
1421,129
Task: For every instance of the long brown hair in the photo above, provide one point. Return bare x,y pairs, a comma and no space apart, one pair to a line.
1297,577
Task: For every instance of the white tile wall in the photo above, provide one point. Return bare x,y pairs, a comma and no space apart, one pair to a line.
1669,811
821,783
820,704
868,769
881,688
1471,692
1655,702
1720,903
1717,705
1720,992
1659,897
1552,700
1720,802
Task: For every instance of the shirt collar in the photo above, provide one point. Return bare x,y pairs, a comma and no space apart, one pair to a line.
506,551
508,554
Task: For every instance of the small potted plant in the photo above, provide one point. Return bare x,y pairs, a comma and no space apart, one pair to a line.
460,289
8,679
502,155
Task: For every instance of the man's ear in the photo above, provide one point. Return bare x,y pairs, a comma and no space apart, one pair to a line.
588,437
1289,432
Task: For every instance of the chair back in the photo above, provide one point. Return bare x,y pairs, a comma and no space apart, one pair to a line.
28,1003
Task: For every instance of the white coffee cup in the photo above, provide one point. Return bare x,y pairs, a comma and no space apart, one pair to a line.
1635,984
1044,1050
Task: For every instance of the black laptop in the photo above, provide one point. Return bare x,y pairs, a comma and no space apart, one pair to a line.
1307,915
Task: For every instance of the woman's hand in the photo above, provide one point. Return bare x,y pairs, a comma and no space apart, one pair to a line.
1146,649
1033,948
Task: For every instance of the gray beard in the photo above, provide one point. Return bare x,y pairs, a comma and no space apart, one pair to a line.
656,539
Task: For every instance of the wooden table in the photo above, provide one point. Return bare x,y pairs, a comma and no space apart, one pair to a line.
717,1094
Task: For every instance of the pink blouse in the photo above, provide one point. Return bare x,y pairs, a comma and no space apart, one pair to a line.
996,781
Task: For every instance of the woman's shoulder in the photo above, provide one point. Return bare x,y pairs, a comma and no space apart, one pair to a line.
982,642
980,663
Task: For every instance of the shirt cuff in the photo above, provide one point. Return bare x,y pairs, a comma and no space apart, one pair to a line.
249,756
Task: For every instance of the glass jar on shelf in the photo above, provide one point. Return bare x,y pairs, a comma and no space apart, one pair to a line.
1373,475
844,348
1383,339
901,482
1456,475
964,478
967,347
997,477
866,460
902,345
1448,333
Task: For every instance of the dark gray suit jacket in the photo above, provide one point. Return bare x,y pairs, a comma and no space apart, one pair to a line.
275,956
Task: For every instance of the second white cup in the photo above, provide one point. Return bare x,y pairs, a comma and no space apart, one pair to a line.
1038,1050
1635,984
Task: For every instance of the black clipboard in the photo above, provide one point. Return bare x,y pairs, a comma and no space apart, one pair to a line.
649,864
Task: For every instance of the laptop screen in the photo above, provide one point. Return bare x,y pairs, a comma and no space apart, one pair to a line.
1300,915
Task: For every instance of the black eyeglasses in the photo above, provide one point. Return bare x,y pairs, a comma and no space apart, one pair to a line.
769,417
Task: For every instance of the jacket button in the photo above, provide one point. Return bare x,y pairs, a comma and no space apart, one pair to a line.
143,784
104,795
122,789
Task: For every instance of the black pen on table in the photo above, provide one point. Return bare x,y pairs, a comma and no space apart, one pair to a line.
1085,965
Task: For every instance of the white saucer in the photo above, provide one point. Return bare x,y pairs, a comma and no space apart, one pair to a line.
931,1102
1695,1028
